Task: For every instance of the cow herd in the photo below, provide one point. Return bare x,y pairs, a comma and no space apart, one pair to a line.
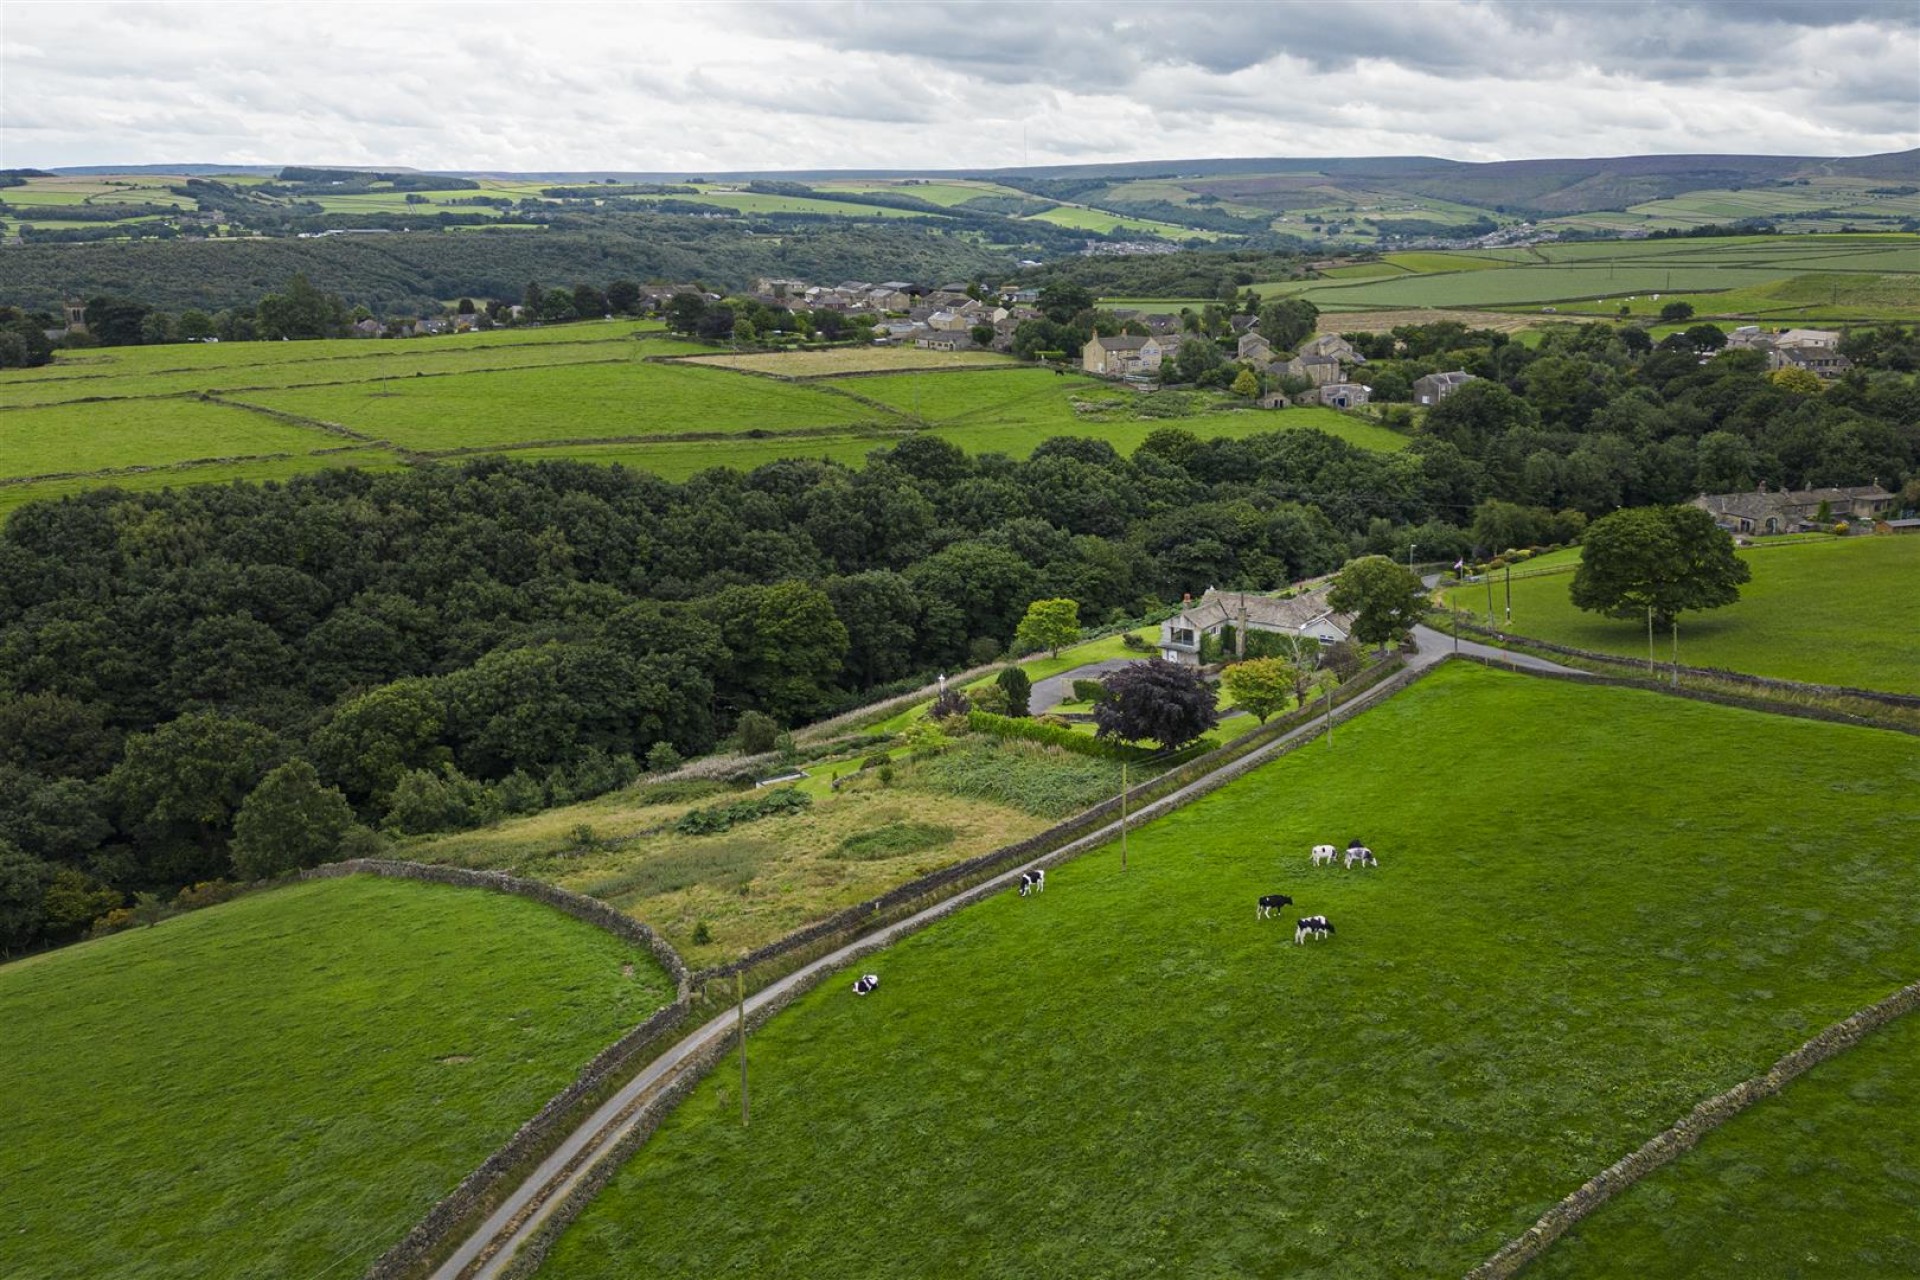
1315,928
1305,929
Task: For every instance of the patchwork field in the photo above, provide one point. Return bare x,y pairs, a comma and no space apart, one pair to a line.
1132,1076
283,1084
1817,1181
1829,277
142,416
1824,612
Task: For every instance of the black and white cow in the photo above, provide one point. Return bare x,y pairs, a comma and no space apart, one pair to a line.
865,983
1359,853
1324,853
1034,881
1270,905
1312,927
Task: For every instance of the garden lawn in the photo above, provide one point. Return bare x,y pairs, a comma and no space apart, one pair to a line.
282,1085
1589,914
1832,612
1822,1180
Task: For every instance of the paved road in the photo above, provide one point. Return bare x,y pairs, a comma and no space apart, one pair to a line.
486,1254
1435,645
1054,690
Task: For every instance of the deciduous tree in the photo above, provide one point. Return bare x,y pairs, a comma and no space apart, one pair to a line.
1263,686
1666,560
1385,599
1050,625
1156,701
290,821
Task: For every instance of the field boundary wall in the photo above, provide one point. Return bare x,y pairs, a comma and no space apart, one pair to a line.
1246,755
1768,683
890,905
1686,1132
553,1121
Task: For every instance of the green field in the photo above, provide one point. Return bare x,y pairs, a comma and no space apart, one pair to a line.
69,438
579,402
1131,1076
1819,1181
131,416
1835,277
1823,612
284,1084
1085,219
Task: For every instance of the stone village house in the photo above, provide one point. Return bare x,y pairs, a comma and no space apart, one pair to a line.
1763,512
1307,614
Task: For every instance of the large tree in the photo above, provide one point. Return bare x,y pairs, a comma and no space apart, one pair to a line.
1049,625
1155,701
1384,597
1666,560
290,821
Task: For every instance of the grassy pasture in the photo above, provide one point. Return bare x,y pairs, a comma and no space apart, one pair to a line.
283,1084
946,194
1817,1181
1826,612
574,403
89,437
1082,218
756,202
1131,1076
841,360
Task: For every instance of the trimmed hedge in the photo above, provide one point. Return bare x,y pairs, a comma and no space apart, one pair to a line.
1050,734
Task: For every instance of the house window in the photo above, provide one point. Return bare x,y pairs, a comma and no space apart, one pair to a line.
1183,637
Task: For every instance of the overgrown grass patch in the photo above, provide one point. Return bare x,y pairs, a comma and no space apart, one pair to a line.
1029,776
895,840
283,1084
1588,916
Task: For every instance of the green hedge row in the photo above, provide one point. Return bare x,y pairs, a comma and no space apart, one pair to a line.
1051,734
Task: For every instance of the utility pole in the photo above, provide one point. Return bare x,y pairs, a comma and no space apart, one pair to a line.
1649,640
1509,597
1676,651
1123,814
740,993
1329,717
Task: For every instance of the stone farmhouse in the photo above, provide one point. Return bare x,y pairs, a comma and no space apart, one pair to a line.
1126,354
1791,511
1307,615
1815,350
1435,387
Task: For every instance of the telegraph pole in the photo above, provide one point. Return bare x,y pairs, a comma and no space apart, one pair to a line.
1123,813
740,993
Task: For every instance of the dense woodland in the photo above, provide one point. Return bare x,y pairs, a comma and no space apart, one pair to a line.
414,272
444,644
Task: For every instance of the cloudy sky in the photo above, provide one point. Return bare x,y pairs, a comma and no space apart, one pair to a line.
692,86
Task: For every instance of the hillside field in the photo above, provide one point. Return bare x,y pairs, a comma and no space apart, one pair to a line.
1582,924
1823,612
1817,1181
624,391
283,1084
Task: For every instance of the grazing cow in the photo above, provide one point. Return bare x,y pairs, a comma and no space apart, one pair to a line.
1034,881
1311,927
1270,905
865,983
1324,853
1362,855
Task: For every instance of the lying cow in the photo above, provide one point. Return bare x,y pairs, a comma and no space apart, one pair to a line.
865,982
1270,905
1324,853
1362,855
1034,881
1312,927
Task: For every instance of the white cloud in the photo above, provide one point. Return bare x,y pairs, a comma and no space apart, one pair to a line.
682,87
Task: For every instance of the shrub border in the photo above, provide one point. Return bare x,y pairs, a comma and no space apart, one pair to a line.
1680,1137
